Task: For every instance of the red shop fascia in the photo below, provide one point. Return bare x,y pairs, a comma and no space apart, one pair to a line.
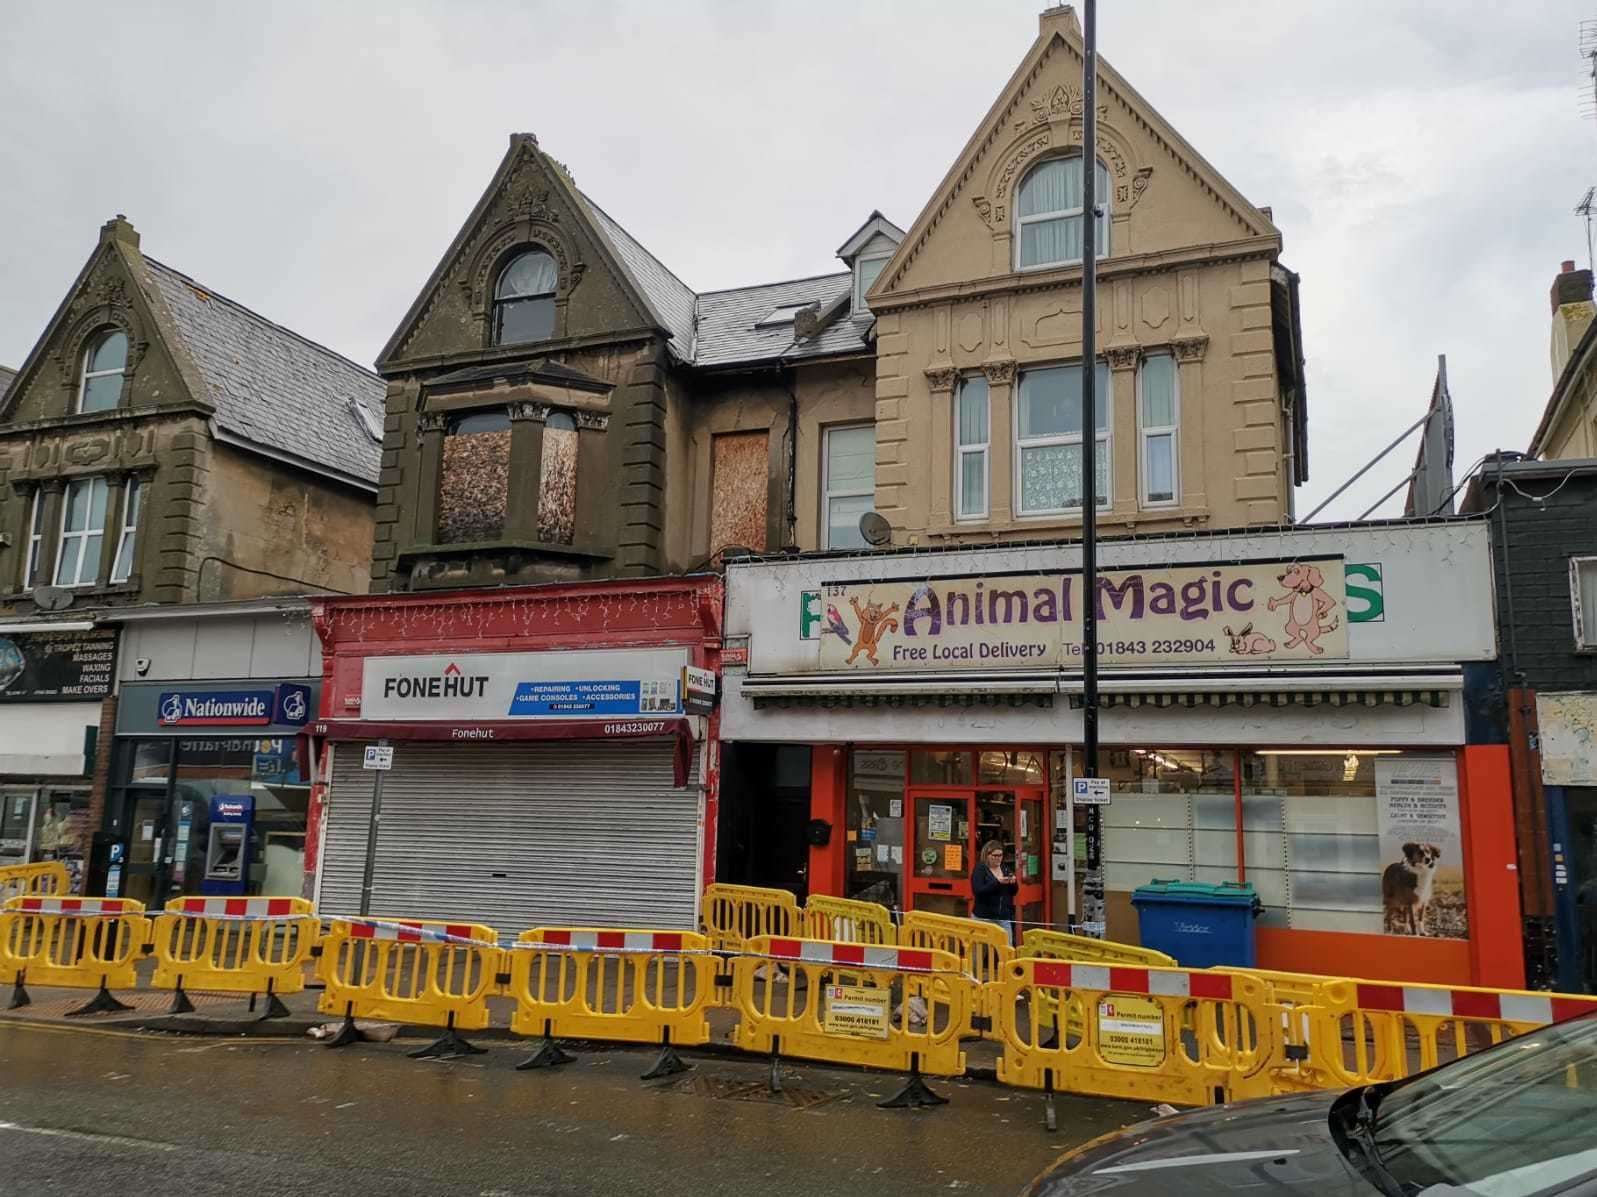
657,613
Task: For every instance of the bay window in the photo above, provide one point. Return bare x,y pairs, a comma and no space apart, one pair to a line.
971,449
82,532
1048,440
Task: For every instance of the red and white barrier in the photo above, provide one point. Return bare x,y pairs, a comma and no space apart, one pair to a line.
814,951
83,907
1152,982
1472,1003
608,941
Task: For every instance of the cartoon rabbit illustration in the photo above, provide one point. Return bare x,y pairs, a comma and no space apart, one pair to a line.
1248,643
1307,603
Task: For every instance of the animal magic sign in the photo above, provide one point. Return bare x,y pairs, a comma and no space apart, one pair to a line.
1258,611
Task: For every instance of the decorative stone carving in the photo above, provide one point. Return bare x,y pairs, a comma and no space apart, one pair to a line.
984,209
1023,154
1063,101
88,451
942,378
1000,373
1139,184
597,420
1190,349
526,410
1122,357
432,421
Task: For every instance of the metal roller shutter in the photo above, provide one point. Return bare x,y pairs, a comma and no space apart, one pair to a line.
518,835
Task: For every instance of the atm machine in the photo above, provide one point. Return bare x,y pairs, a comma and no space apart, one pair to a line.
227,851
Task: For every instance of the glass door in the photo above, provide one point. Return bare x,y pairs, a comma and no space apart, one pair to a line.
939,849
143,842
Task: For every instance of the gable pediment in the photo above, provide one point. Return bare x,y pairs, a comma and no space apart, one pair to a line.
1163,196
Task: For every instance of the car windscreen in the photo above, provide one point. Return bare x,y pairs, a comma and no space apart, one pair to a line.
1518,1120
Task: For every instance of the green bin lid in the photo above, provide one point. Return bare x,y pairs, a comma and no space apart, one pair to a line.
1193,891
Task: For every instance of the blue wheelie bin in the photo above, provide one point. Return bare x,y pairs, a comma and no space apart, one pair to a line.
1199,923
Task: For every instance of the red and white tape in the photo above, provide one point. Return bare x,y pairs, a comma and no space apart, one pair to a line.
409,931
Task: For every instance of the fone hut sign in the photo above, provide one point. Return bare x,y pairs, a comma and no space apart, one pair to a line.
1291,610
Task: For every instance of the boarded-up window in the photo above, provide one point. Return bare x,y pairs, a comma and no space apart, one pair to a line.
474,492
557,495
740,471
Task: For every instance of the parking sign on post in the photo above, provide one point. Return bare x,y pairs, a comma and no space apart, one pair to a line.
379,756
1091,791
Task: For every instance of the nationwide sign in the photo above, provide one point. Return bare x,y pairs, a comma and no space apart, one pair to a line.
288,704
1256,611
472,687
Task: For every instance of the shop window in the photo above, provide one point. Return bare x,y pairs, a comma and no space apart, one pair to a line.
740,474
1159,415
474,490
1356,840
935,767
875,827
146,761
82,532
274,774
1048,439
557,493
1049,212
104,365
524,299
1015,767
1172,818
848,484
972,441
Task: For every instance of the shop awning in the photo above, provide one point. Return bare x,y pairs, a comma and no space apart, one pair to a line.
498,730
1278,698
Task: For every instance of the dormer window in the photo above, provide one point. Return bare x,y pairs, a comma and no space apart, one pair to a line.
784,314
105,361
524,299
1049,214
866,272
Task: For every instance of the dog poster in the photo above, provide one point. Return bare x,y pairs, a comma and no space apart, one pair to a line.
1422,852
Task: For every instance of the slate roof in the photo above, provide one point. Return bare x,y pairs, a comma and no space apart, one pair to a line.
271,387
671,298
7,377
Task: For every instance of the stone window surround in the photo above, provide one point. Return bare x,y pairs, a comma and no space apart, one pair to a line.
115,313
527,418
505,245
54,490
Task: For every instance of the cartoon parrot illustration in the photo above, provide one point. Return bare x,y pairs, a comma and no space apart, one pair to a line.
836,626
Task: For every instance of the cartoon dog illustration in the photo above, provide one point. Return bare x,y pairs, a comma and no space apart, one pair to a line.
875,621
1248,643
1306,603
1406,889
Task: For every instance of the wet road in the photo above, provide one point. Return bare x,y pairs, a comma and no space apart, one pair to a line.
86,1112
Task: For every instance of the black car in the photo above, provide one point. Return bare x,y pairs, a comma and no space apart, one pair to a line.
1516,1120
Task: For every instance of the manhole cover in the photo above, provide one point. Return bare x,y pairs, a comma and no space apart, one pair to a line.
726,1089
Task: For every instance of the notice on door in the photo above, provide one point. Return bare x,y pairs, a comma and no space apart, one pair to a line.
1131,1031
856,1012
940,822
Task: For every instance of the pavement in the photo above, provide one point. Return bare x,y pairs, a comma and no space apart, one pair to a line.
98,1106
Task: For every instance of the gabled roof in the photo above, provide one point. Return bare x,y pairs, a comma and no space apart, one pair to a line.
274,390
874,223
729,323
7,377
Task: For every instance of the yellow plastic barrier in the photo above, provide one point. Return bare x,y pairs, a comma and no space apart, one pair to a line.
80,943
1182,1036
982,950
880,1007
46,879
413,970
844,920
627,986
1347,1032
1060,945
734,914
236,945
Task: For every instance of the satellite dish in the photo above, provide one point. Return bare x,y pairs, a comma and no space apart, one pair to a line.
52,598
875,529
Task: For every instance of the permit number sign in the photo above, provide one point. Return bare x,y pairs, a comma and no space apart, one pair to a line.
379,756
856,1012
1091,791
1131,1030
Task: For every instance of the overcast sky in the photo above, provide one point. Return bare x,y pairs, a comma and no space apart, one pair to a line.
313,160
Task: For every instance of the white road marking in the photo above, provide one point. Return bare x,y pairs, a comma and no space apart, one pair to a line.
86,1136
1195,1161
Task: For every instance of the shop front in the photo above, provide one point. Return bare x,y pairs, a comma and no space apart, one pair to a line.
55,686
209,789
520,757
1285,709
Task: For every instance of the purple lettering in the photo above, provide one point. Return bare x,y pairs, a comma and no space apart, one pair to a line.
1194,599
1130,589
923,604
1243,604
1009,599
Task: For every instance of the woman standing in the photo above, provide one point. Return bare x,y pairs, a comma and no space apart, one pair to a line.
994,889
